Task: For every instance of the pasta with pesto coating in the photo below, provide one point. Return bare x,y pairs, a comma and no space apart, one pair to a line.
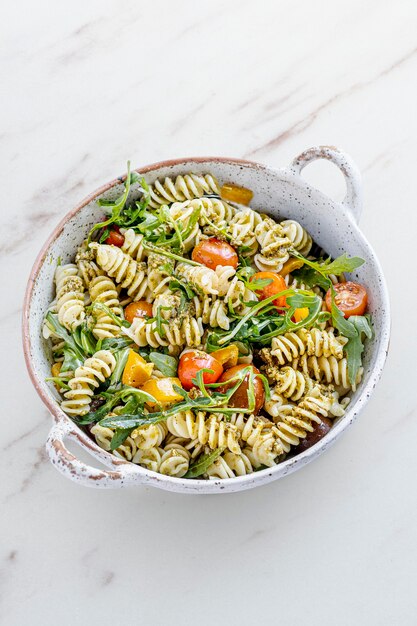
199,336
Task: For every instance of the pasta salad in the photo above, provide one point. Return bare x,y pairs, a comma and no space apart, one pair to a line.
200,338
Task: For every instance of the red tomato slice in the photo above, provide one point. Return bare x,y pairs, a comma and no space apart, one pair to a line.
351,298
213,252
192,362
115,238
276,285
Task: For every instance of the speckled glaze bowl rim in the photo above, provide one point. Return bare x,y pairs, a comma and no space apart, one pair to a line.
134,474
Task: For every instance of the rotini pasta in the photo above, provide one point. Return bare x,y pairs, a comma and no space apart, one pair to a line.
69,296
103,290
130,274
173,337
87,377
274,246
182,188
209,430
315,342
300,238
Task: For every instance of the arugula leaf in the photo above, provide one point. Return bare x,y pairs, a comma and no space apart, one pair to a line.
165,363
311,278
201,465
340,265
114,343
120,436
77,345
178,284
160,321
121,357
117,206
354,347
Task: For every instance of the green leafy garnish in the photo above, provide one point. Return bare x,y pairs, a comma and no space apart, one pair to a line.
116,206
354,347
353,328
78,345
201,465
165,363
340,265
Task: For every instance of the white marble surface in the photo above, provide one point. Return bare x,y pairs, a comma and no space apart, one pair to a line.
86,85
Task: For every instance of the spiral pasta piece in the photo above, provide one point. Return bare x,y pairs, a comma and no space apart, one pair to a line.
300,238
150,458
133,244
201,278
130,274
87,378
182,188
212,311
69,296
184,331
85,261
329,370
229,465
289,382
175,460
150,436
103,290
315,342
274,246
294,421
260,435
210,430
242,229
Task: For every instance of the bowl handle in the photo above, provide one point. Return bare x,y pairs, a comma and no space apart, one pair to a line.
80,472
353,198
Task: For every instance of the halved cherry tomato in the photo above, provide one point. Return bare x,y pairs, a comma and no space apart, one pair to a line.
240,398
141,308
233,193
351,298
301,314
213,252
276,285
192,362
162,389
115,238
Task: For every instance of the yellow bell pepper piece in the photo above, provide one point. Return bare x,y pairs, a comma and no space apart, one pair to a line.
233,193
137,371
291,265
301,314
162,390
227,356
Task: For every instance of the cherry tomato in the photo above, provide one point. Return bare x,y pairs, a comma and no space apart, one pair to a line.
240,398
115,238
276,285
192,362
141,308
351,298
213,252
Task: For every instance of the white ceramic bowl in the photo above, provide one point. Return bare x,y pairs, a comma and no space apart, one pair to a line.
284,194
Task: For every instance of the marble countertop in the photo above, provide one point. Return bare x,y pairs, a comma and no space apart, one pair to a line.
85,86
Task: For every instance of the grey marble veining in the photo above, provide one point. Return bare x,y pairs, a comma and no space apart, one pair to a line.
86,86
